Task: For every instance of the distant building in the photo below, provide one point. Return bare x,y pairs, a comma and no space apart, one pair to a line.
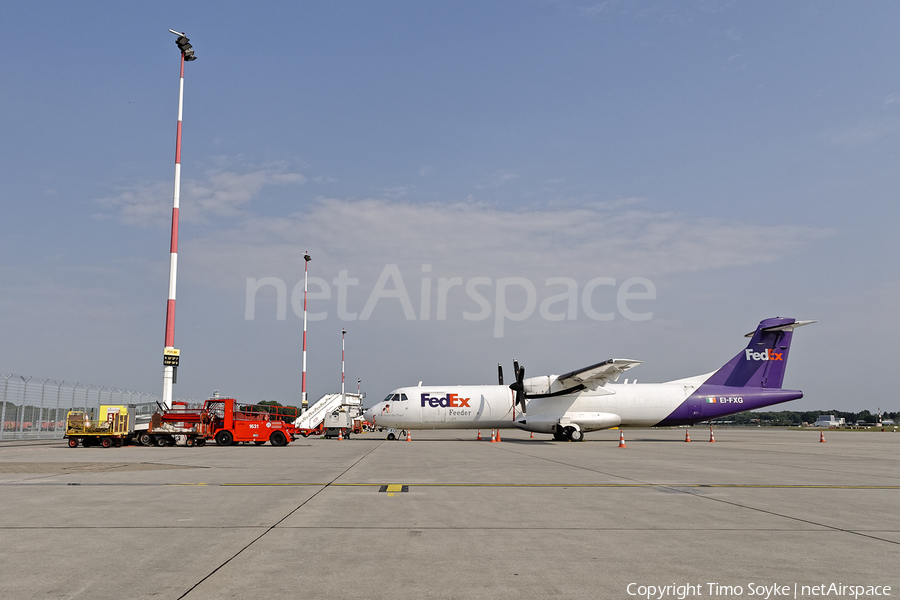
829,421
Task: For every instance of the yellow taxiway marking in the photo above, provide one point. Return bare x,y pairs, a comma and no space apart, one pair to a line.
394,487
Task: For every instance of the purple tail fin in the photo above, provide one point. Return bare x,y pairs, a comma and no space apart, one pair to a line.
762,363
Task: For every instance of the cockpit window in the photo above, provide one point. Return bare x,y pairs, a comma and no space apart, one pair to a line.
403,397
389,397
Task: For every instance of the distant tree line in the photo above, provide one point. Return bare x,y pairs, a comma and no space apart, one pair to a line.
790,417
280,411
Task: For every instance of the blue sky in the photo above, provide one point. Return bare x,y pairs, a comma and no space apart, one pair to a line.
739,159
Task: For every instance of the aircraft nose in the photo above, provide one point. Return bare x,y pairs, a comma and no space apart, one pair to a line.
368,415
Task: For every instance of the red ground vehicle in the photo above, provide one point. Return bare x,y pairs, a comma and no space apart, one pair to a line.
222,420
231,423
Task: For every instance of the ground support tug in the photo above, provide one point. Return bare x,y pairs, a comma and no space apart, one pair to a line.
113,428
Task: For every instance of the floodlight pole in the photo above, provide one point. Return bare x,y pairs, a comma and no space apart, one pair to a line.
169,352
303,401
343,394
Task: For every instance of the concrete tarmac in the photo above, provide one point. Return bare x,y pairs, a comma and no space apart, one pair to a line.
445,516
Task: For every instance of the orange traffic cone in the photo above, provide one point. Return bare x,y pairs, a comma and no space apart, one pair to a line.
822,437
408,435
498,435
712,438
532,435
687,435
493,436
622,439
479,436
340,435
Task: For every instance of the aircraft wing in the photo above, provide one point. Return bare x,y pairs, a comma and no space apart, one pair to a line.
599,374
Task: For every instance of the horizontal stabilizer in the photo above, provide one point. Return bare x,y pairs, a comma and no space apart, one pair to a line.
788,327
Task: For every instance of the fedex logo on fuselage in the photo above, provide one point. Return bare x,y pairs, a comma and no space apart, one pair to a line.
451,400
767,354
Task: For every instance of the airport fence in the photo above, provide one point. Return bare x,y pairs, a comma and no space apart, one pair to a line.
34,408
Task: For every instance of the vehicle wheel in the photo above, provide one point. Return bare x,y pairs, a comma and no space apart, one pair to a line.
161,441
73,442
118,442
189,442
277,439
304,434
576,435
391,436
347,435
106,442
146,439
224,438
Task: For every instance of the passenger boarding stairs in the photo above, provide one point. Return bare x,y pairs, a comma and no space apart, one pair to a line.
326,405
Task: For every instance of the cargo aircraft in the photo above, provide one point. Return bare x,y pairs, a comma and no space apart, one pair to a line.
587,399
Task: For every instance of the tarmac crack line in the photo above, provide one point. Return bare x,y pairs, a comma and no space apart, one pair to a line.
427,528
696,495
277,523
558,462
776,514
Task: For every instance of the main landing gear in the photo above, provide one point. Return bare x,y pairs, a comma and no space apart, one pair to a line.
563,434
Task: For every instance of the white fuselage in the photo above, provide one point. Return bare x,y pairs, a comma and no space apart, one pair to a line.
491,407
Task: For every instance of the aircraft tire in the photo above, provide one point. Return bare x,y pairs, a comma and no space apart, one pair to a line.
576,435
560,436
391,436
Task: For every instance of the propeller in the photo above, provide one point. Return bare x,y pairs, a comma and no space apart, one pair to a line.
500,372
519,385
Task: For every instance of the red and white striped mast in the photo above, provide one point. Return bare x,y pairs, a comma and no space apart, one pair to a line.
170,354
343,394
303,403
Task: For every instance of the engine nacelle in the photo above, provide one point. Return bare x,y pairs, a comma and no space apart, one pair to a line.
586,421
539,385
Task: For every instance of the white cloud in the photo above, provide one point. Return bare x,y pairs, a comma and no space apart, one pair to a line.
221,193
474,239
